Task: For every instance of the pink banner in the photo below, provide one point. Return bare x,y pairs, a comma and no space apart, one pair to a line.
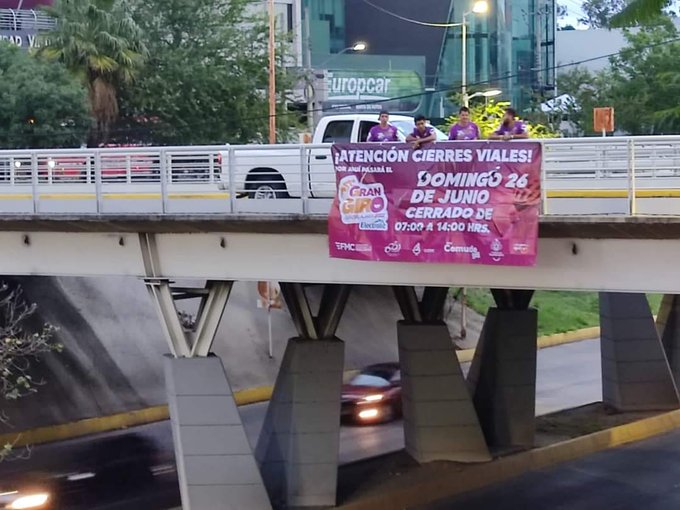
449,202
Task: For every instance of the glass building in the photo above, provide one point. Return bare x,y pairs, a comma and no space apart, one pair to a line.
511,47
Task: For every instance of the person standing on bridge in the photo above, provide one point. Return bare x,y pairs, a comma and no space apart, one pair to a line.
510,128
464,129
383,132
422,133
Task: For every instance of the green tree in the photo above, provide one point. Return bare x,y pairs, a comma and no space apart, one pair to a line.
646,81
588,91
18,348
642,84
641,12
207,77
488,116
101,44
598,13
42,104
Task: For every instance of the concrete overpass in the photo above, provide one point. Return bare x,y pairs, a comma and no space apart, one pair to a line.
594,239
446,416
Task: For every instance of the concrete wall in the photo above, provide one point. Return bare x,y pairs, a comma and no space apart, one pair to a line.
112,360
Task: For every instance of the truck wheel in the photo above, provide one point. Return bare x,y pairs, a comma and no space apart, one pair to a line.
267,186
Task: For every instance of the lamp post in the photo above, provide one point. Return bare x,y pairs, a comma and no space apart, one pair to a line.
358,47
486,94
479,7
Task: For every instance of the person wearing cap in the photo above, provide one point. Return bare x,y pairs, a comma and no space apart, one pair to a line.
422,133
383,132
464,129
510,128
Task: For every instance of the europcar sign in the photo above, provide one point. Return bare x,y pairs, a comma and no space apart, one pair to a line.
393,90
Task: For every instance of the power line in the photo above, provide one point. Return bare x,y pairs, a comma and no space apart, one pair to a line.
332,108
410,20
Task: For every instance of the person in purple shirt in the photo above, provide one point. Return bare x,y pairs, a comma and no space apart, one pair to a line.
383,132
464,129
422,133
510,128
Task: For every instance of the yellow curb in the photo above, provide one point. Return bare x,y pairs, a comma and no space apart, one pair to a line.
459,479
466,355
243,397
116,421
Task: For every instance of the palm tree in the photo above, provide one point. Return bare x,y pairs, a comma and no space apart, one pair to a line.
100,43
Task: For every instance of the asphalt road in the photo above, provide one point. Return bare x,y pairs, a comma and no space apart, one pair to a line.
641,475
568,376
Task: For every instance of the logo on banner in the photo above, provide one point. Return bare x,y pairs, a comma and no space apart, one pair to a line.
496,252
417,249
393,248
449,247
362,204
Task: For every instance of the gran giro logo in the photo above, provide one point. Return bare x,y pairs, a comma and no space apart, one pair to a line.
362,204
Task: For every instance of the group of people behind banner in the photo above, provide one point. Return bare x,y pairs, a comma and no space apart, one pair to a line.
464,129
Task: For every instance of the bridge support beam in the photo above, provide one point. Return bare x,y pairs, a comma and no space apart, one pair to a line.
440,422
502,376
668,327
636,375
215,463
298,447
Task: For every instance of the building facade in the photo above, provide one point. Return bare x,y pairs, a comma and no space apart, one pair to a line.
511,47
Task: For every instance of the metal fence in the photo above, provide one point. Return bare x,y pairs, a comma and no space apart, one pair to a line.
623,175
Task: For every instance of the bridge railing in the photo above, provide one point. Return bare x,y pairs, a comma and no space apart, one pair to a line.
616,175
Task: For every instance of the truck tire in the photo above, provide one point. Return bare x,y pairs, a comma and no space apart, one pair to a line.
266,186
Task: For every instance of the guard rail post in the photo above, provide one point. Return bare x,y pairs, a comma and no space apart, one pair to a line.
231,161
632,204
34,182
163,170
543,182
304,180
98,181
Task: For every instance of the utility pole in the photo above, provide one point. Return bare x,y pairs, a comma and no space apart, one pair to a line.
272,73
310,74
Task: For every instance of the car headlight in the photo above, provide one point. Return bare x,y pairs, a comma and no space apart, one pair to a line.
373,398
29,501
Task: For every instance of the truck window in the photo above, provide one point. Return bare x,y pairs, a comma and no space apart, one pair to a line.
338,131
364,128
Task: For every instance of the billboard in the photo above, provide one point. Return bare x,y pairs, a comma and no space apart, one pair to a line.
397,91
449,202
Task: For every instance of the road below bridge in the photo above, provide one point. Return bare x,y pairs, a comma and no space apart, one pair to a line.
568,376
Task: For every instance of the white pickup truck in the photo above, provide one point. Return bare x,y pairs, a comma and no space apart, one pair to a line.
282,171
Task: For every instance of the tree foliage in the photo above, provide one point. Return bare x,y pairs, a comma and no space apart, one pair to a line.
18,349
101,44
42,105
207,77
488,116
598,13
642,84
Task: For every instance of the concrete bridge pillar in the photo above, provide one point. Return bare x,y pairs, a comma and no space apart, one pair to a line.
668,327
636,375
440,422
215,462
502,376
298,447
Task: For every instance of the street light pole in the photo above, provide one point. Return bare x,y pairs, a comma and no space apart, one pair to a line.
272,74
466,101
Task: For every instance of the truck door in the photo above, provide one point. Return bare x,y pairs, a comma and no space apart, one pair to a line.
321,170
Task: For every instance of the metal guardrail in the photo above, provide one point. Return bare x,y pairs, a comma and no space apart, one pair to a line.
25,19
622,175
